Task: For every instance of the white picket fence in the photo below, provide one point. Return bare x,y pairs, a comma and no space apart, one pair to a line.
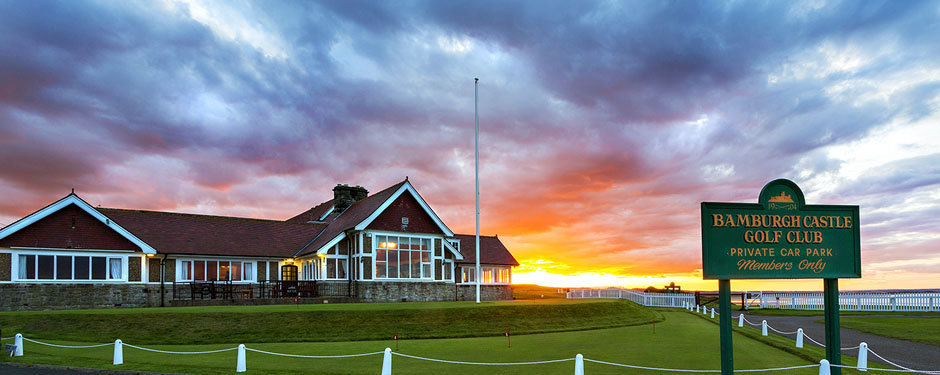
645,299
850,301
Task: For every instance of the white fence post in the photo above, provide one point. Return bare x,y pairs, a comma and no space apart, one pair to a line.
240,362
763,328
18,341
118,352
741,320
799,338
387,362
824,367
696,308
713,313
862,357
579,364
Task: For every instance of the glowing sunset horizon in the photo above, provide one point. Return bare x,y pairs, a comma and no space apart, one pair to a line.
603,126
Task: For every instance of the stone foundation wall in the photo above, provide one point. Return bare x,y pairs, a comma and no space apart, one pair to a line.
425,292
20,297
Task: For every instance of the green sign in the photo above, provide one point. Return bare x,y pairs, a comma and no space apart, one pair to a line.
780,237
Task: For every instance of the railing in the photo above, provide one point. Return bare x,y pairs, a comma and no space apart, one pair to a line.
263,289
642,298
925,301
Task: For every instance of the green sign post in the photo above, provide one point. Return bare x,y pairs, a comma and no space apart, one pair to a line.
780,237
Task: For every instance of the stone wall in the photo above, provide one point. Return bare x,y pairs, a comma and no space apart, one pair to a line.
423,292
487,292
17,297
6,266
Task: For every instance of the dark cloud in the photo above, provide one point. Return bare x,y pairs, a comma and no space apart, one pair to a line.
605,120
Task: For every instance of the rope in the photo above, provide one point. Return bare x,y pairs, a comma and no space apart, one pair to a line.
814,341
749,322
172,352
646,368
899,366
313,356
484,363
697,371
823,345
8,338
780,332
68,346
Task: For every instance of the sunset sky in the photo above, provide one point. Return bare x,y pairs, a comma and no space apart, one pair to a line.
603,124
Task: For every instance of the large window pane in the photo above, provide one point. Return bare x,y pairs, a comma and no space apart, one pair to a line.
186,270
212,270
380,270
404,264
341,269
331,268
223,270
426,270
416,264
28,267
392,264
199,270
46,267
63,267
81,268
99,268
236,271
116,268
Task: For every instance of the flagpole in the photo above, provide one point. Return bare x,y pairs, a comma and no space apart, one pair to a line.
476,165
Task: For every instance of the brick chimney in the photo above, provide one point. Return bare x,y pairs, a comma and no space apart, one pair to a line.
345,195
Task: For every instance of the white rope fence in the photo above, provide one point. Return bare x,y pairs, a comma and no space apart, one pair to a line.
312,356
824,365
800,335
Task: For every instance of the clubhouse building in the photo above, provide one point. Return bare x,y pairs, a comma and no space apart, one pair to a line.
356,247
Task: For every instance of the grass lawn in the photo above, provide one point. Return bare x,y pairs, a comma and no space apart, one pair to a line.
682,340
925,330
531,291
309,323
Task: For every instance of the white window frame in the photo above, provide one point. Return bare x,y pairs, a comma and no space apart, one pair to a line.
431,257
180,265
15,266
483,270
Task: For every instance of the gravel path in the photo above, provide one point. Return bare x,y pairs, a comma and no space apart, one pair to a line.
909,354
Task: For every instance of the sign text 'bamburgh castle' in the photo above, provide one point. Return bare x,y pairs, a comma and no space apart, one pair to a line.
780,237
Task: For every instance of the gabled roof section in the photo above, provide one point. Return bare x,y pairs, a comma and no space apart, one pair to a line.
492,250
209,235
80,203
361,213
405,187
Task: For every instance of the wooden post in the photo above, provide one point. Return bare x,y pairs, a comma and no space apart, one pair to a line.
833,340
724,319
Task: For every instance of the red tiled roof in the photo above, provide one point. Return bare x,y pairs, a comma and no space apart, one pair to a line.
353,215
492,250
177,233
312,214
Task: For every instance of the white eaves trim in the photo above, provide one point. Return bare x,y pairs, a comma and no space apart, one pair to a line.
326,248
427,209
450,247
74,199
